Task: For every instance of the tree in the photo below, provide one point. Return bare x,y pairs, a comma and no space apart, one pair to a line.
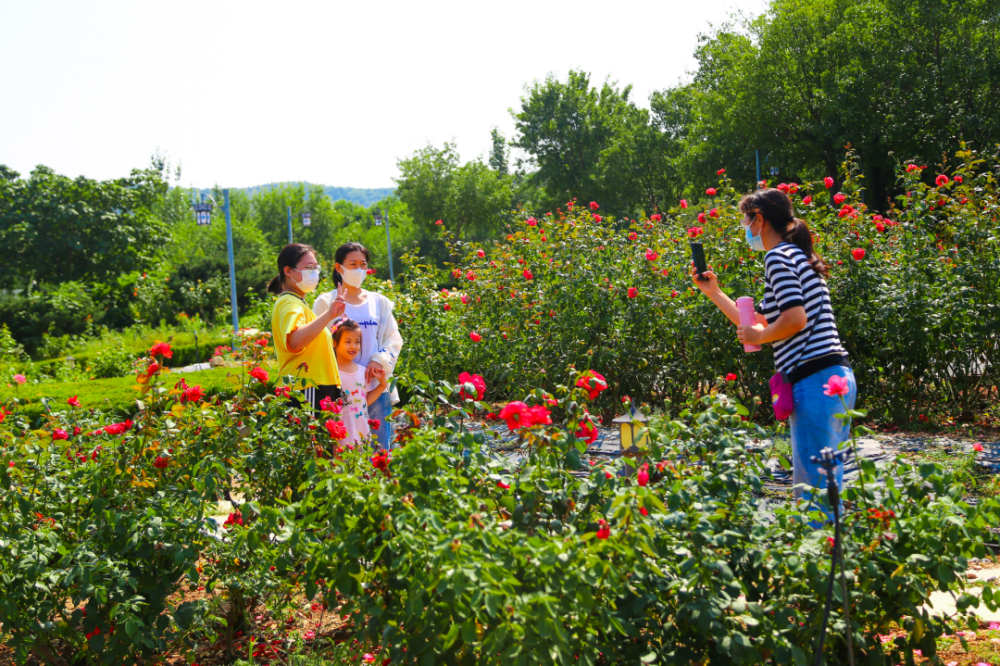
498,154
896,79
472,199
56,229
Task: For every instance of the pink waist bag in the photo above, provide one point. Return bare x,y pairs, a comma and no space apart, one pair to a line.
782,398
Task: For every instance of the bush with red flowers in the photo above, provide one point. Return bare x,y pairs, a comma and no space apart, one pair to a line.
914,311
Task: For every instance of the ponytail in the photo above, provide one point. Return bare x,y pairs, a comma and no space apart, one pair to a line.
775,207
287,258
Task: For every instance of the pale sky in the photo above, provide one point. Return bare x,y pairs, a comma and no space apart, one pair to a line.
245,93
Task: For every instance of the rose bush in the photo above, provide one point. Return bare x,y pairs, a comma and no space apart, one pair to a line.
915,294
443,551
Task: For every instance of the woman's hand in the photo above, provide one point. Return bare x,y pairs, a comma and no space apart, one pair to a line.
338,305
375,369
750,335
708,286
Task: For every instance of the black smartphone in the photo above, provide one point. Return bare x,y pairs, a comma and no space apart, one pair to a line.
698,256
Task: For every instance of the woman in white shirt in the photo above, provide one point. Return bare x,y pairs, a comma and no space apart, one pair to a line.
380,339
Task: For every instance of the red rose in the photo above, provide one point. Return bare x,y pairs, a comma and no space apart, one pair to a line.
651,256
59,433
328,405
710,191
152,369
470,276
235,518
528,275
374,424
731,377
593,205
783,187
587,431
503,486
193,394
477,382
480,254
632,292
642,476
603,530
160,462
538,415
714,212
161,349
514,413
828,182
720,172
674,294
941,180
597,218
808,200
464,298
858,254
694,232
282,391
958,179
793,188
633,236
701,218
655,217
880,227
336,429
447,306
592,381
684,203
456,273
260,374
838,198
475,337
439,223
531,222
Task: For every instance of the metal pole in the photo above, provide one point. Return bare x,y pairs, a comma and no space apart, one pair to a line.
232,266
289,225
758,168
388,246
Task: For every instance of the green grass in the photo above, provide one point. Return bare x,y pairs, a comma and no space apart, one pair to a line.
117,394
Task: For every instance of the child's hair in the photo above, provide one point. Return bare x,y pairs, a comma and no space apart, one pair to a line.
287,258
345,325
775,207
342,253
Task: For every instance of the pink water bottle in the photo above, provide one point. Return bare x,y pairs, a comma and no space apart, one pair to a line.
747,318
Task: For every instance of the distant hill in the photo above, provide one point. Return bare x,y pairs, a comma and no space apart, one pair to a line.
358,195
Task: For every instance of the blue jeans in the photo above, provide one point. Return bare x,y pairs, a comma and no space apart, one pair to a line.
814,427
381,409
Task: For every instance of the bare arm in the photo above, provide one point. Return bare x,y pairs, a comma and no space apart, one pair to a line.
300,338
710,288
377,391
788,323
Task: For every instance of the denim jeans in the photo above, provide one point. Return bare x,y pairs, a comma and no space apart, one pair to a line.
814,427
381,409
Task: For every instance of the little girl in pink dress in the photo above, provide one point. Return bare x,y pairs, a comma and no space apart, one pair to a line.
355,393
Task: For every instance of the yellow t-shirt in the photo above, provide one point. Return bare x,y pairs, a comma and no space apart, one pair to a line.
291,313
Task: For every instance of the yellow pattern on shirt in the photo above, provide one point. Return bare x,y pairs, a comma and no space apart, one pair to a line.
291,313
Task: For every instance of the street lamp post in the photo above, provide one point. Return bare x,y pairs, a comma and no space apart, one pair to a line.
388,241
289,225
203,216
306,218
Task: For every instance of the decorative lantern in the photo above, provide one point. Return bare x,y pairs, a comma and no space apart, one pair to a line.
203,214
378,218
306,218
628,424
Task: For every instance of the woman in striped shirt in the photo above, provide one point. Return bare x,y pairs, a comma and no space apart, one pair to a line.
795,316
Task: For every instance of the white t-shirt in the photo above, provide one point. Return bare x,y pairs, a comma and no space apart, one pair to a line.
355,398
366,315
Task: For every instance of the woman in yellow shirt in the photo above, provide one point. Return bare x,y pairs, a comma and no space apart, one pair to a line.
301,338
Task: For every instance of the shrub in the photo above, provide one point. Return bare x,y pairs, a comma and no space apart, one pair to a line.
113,361
917,312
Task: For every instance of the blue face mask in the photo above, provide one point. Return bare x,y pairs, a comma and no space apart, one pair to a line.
756,243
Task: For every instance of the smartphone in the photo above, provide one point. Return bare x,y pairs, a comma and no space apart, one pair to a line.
698,256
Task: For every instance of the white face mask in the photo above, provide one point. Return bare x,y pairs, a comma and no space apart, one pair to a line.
354,276
310,278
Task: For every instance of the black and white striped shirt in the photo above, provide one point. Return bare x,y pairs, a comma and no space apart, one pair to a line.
790,281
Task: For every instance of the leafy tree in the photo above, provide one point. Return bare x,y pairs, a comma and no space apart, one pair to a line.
893,78
498,154
472,199
55,228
